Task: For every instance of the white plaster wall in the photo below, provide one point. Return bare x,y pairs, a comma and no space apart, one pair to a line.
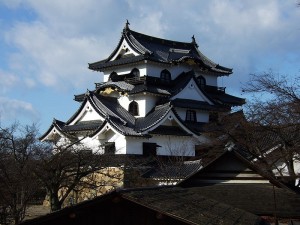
210,79
175,145
90,114
181,113
124,101
170,145
86,114
202,116
135,145
192,92
125,70
141,100
145,102
154,70
120,144
123,47
150,103
111,136
92,144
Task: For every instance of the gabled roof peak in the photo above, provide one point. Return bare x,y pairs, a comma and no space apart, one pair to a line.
126,27
194,41
146,47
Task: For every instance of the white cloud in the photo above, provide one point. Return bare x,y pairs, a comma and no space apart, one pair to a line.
8,80
49,44
52,59
14,110
11,3
55,48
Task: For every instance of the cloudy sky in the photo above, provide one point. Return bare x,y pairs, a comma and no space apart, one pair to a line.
45,46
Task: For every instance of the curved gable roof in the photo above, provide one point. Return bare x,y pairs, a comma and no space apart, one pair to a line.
152,118
110,107
159,50
87,98
56,125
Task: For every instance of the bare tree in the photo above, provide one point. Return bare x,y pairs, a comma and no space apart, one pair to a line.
269,132
71,169
18,184
61,169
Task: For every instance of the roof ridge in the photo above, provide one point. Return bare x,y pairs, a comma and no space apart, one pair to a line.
164,40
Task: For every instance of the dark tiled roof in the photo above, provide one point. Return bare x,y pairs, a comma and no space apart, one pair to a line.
226,99
181,81
184,206
194,104
106,64
79,98
191,206
83,126
173,170
197,126
123,129
122,85
152,118
172,51
169,130
214,94
159,50
118,117
110,107
255,198
59,125
73,117
150,89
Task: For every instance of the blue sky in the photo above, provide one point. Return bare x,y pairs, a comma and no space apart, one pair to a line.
45,46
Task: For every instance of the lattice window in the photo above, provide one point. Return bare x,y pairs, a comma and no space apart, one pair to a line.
191,116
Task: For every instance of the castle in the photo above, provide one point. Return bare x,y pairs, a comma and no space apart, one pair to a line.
155,98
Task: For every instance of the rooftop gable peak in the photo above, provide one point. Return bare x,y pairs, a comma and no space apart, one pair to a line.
194,41
136,47
126,27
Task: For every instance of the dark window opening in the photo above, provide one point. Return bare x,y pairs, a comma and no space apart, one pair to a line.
201,81
136,73
213,117
134,108
149,149
191,116
165,76
109,148
200,150
113,76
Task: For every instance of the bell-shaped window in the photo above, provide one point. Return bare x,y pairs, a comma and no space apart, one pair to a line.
201,81
113,76
133,108
136,73
165,76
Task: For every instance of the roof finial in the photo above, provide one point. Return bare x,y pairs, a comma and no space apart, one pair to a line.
127,25
194,41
